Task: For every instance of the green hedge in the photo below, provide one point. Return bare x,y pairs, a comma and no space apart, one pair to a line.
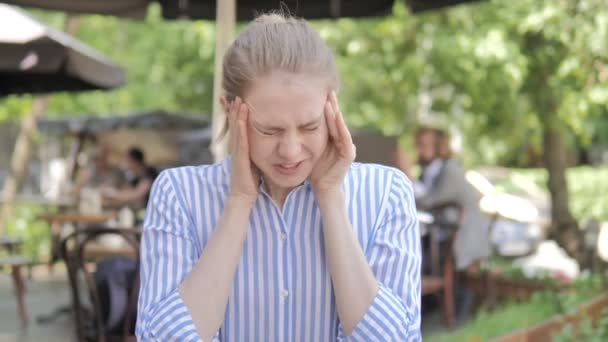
510,317
24,223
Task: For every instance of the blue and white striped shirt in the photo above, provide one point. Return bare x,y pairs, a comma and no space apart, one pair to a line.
282,289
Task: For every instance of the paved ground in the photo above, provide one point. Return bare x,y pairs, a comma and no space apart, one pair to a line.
45,294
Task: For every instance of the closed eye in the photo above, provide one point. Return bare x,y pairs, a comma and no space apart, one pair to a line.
266,132
311,128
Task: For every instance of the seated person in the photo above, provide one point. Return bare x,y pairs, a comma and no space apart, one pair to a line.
99,173
442,181
140,182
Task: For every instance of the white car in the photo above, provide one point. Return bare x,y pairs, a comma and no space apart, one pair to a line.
521,209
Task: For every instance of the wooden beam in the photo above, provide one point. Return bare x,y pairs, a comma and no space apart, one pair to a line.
23,145
225,23
20,158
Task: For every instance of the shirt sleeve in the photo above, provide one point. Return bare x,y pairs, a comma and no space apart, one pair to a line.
168,253
394,257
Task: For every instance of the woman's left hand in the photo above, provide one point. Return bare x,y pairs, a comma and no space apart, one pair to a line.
328,174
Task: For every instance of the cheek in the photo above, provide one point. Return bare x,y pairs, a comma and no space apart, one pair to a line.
253,141
258,148
317,142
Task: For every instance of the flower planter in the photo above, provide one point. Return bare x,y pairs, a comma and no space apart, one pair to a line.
544,332
494,287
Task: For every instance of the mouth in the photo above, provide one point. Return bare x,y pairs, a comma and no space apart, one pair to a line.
287,168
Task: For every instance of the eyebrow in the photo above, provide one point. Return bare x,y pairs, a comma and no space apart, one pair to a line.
308,124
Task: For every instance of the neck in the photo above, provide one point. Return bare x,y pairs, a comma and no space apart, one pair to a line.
277,193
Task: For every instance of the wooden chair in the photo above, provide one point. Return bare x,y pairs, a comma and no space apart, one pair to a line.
440,281
73,250
16,262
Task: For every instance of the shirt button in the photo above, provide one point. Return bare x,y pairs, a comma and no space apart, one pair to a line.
284,293
283,236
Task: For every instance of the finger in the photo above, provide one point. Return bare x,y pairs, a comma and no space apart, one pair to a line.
346,141
233,123
343,132
341,125
330,118
236,106
232,128
334,101
242,124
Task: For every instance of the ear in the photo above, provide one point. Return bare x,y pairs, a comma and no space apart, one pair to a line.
225,104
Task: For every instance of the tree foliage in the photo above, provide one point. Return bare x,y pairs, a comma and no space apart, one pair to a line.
515,78
478,68
169,65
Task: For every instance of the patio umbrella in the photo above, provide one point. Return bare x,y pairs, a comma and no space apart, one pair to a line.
418,6
310,9
245,9
39,59
120,8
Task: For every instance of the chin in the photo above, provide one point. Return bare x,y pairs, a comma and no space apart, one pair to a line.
291,181
287,180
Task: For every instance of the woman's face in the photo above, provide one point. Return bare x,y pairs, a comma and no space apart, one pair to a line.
287,128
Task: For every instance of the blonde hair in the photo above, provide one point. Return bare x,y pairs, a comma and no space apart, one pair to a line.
275,42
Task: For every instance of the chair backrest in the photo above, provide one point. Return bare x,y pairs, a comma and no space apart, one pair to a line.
448,218
74,251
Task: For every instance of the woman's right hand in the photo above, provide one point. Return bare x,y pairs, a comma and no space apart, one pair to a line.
244,176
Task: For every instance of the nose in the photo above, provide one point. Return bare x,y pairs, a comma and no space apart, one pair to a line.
289,146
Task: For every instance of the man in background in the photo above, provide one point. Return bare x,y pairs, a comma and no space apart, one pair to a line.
442,182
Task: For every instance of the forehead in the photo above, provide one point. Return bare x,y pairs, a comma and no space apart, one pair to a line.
284,98
426,137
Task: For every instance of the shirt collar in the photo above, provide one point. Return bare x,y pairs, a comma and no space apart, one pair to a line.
226,165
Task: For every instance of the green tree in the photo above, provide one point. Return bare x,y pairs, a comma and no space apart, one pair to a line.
527,73
169,65
547,70
511,76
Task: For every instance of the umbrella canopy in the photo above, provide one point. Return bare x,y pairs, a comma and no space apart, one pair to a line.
417,6
310,9
39,59
118,8
246,9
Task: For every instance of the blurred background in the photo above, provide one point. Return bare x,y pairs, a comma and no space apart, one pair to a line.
519,89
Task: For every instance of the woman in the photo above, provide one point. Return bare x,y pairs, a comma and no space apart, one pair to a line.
287,239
